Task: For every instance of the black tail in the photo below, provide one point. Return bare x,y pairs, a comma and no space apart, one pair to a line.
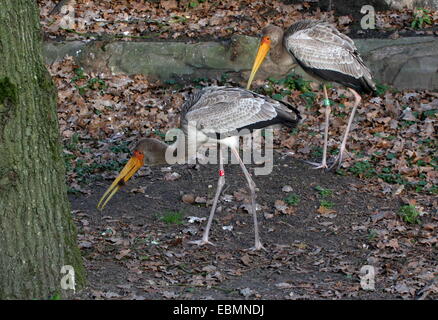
290,122
283,117
360,85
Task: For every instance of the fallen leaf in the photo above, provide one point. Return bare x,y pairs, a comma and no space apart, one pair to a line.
325,210
169,4
123,253
283,285
246,260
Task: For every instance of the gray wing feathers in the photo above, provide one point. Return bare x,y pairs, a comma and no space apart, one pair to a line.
222,110
322,46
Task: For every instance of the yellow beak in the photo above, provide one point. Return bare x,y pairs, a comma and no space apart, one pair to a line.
127,172
264,47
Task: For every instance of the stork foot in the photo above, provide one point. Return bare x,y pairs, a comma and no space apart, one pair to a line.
337,162
258,246
202,242
317,165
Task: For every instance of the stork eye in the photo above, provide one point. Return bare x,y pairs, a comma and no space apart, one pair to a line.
139,155
266,40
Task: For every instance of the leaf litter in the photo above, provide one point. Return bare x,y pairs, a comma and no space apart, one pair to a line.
392,157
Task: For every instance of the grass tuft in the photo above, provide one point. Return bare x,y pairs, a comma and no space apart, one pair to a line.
410,214
172,217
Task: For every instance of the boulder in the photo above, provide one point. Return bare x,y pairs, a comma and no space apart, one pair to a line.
411,4
179,60
406,62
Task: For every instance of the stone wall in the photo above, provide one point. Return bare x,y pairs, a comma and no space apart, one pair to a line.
398,4
405,63
410,62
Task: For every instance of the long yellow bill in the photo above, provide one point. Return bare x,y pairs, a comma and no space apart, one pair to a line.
135,163
264,47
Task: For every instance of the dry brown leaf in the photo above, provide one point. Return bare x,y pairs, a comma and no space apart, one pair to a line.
246,260
169,4
324,210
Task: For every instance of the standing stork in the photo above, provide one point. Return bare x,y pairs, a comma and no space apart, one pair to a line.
324,53
217,114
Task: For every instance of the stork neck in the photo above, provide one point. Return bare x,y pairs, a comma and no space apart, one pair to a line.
280,55
177,151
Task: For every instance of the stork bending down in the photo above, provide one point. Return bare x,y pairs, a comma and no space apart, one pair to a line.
217,114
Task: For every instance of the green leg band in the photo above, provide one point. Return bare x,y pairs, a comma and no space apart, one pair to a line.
327,102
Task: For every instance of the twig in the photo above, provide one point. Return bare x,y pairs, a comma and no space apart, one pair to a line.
285,223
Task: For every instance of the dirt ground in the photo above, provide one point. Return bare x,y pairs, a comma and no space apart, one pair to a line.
130,252
333,225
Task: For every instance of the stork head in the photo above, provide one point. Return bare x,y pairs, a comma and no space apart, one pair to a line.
272,36
147,151
274,33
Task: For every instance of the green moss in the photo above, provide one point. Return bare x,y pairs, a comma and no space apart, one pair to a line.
8,90
74,256
45,82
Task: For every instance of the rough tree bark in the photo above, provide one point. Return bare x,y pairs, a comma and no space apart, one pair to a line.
37,234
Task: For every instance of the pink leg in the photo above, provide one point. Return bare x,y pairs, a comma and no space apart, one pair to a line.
340,157
257,243
220,185
323,165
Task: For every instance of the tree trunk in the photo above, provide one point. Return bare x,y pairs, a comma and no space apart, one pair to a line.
37,233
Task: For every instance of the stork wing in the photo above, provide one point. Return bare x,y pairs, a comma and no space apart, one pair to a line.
222,110
322,46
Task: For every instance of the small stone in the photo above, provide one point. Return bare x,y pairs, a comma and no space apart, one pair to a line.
188,198
201,200
246,292
172,176
287,189
193,219
227,228
283,285
268,215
